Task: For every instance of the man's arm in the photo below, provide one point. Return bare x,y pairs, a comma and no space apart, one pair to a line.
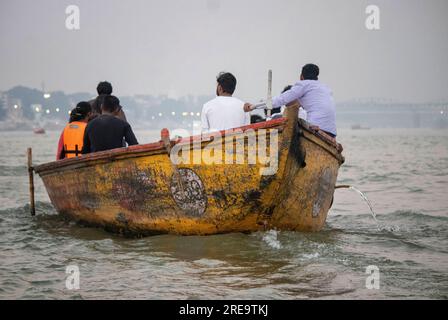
129,135
296,92
246,118
86,142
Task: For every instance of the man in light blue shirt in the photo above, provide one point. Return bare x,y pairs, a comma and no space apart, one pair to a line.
314,97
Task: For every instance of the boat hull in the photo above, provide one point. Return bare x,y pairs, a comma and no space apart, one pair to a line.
138,190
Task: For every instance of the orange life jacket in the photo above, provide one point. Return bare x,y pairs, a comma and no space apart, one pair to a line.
73,138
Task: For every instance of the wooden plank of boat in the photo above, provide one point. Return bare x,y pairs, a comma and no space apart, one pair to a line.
135,191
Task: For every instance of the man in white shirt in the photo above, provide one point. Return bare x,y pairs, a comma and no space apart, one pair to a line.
314,97
224,112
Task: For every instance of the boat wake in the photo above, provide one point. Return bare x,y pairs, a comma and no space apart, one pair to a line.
271,238
388,228
42,209
402,223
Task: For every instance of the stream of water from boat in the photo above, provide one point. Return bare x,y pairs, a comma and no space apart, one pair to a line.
364,197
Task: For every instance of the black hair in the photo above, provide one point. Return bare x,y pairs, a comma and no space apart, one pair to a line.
110,104
80,112
287,88
310,72
227,82
255,118
104,88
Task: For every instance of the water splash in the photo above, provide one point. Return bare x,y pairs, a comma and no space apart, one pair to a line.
387,228
311,256
270,238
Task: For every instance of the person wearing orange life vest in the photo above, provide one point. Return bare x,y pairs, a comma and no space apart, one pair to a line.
71,139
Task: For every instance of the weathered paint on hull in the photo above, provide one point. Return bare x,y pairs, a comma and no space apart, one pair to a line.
137,191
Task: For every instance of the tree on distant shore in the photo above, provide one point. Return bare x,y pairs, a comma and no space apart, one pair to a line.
158,110
27,97
58,100
2,110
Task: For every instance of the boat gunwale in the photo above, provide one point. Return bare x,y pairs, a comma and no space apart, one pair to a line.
152,147
334,151
158,147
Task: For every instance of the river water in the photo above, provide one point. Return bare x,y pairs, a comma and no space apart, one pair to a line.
404,173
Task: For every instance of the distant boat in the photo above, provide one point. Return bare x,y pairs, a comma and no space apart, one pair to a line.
137,190
39,130
359,127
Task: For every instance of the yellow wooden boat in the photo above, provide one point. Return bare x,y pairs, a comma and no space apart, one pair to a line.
139,191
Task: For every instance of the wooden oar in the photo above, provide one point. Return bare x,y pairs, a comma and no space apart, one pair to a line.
269,100
266,105
31,179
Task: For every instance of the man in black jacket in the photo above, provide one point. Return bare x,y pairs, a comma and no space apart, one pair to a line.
107,131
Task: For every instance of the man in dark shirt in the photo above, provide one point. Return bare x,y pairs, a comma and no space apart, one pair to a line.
106,131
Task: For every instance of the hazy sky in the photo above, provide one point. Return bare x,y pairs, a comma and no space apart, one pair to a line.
177,47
